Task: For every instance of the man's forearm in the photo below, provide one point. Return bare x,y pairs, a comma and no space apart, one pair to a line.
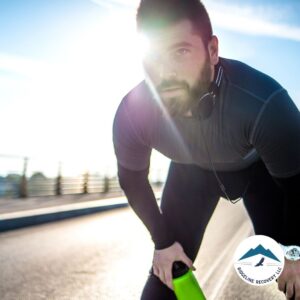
142,200
291,188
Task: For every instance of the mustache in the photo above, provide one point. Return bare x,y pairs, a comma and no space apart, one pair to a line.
171,84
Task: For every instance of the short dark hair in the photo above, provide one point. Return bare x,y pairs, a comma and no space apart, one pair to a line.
155,14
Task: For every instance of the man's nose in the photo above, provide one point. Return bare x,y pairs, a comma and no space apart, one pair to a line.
167,72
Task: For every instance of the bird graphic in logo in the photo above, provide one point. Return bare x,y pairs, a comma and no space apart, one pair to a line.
260,263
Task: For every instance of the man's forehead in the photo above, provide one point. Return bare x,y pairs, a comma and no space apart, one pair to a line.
178,33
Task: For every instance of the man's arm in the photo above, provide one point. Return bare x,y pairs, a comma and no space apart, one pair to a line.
141,198
289,280
133,150
291,189
276,136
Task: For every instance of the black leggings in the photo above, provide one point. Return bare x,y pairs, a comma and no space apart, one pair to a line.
190,196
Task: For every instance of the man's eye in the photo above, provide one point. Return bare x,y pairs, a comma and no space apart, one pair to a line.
182,51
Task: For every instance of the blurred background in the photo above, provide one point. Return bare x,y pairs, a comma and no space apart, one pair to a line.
65,66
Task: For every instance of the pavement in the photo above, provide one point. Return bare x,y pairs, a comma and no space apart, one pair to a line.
18,213
84,269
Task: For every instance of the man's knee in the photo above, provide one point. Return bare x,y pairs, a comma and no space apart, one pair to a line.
155,289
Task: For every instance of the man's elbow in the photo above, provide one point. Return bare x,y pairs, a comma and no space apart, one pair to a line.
129,179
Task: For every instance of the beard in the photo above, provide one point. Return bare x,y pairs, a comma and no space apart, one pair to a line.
181,104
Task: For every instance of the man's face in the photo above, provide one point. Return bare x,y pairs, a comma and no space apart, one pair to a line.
179,66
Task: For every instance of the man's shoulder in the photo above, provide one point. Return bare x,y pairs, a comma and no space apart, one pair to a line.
138,101
138,108
139,96
249,79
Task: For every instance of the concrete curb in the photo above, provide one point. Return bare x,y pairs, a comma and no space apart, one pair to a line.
15,220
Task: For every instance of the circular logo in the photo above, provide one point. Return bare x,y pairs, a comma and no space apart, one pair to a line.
259,260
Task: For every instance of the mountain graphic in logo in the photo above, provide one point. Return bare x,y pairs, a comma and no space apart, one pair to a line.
259,250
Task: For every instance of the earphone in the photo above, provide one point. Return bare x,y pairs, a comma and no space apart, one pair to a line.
203,108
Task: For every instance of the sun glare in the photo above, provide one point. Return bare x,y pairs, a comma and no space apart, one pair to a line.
105,63
76,93
142,45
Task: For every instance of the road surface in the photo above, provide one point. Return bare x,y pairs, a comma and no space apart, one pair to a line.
107,256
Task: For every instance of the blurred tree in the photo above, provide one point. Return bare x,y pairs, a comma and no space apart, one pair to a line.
11,185
38,176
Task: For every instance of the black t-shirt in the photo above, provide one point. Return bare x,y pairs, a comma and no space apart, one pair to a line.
253,118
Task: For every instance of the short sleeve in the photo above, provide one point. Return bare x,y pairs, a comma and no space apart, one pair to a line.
130,149
276,135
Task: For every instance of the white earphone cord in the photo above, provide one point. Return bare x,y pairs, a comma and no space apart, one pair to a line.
221,185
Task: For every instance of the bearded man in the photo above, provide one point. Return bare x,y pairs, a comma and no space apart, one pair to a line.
230,131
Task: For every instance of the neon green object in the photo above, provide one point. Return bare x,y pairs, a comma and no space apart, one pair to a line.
186,287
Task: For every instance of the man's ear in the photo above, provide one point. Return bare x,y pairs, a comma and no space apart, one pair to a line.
213,50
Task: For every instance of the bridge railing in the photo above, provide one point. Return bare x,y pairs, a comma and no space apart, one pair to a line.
19,180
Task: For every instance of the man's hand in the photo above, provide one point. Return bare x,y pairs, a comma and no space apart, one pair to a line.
289,279
163,261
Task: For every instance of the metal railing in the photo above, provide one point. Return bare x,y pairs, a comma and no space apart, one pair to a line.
18,184
84,184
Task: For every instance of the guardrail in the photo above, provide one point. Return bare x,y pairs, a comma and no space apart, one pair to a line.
83,184
18,184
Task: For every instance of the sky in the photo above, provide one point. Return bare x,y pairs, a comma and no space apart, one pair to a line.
65,66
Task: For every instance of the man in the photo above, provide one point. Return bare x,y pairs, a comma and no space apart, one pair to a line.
229,130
